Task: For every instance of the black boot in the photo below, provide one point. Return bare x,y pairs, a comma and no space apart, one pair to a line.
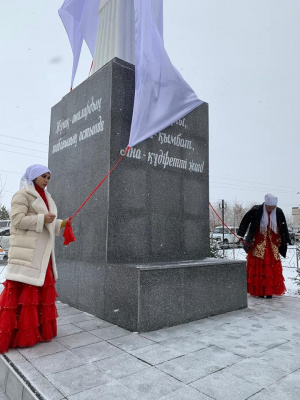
269,296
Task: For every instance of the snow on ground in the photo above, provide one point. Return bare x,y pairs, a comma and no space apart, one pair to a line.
289,269
292,288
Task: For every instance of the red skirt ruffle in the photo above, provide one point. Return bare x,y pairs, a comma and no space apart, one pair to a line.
264,276
27,313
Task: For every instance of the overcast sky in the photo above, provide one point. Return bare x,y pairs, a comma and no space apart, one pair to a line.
240,56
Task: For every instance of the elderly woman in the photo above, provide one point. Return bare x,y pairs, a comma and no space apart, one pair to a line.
27,304
267,238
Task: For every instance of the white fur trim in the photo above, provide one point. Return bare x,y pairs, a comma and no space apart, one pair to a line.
40,223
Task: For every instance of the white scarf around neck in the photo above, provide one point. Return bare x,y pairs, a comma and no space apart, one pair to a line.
265,220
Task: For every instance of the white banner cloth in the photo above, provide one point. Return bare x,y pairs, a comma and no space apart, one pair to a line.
161,95
80,19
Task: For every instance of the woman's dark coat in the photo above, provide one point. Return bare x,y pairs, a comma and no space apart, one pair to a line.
253,217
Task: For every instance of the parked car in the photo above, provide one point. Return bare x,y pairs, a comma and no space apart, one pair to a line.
292,236
297,235
229,237
4,239
2,254
4,224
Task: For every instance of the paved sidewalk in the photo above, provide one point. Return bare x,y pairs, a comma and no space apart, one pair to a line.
248,354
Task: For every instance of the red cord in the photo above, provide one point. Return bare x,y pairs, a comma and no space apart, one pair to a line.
68,233
91,68
223,223
103,180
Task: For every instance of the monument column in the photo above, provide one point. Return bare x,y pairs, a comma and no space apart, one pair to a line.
116,30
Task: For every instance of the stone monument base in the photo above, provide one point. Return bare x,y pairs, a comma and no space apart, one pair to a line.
153,212
147,297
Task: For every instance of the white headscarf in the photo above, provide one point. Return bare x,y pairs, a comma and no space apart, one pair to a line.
33,172
270,200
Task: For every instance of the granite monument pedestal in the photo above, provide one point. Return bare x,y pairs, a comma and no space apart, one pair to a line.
140,259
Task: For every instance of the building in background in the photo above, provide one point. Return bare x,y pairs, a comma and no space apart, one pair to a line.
296,217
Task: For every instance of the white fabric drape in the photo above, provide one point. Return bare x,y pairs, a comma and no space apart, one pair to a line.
80,19
133,31
162,96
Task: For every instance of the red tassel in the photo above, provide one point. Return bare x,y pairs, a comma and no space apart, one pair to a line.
68,234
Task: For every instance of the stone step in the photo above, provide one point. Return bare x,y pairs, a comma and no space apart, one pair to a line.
13,383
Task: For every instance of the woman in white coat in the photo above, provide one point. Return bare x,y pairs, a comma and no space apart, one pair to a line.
27,304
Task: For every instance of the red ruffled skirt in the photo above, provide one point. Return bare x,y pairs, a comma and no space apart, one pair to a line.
27,313
264,276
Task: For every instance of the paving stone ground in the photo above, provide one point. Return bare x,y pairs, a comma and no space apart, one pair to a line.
248,354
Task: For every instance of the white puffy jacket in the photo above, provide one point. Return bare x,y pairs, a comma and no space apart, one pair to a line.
31,241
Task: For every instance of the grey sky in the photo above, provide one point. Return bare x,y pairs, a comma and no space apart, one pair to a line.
240,56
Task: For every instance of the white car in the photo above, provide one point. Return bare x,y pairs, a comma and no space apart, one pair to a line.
4,239
4,224
2,254
229,237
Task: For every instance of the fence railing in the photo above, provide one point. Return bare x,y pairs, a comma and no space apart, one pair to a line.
296,256
292,259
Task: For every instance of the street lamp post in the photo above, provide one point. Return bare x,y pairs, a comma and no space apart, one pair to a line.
222,206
